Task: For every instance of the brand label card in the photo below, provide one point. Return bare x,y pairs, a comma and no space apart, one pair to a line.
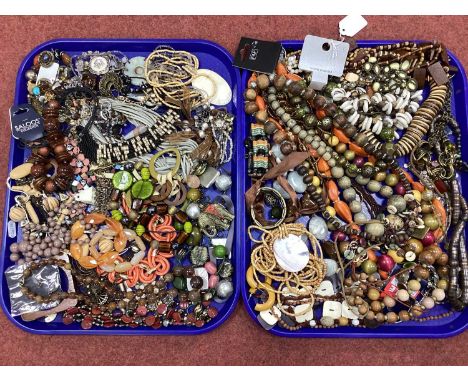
257,55
323,55
25,123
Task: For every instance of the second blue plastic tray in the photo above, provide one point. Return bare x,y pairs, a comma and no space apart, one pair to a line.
211,56
452,325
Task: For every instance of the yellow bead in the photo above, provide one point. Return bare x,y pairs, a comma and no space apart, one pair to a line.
318,190
333,141
331,211
316,181
417,195
394,255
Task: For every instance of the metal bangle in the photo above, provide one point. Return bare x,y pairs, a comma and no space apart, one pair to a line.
281,201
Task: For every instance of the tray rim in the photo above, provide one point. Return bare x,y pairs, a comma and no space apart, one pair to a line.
410,331
173,331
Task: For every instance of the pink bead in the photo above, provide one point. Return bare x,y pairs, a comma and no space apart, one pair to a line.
213,281
428,239
385,263
400,189
211,267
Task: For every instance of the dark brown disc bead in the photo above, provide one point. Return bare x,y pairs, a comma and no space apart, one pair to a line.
361,139
51,125
39,183
302,170
331,109
279,82
340,120
62,183
196,282
287,148
194,295
64,170
188,272
168,277
443,271
63,157
183,296
165,246
38,170
308,179
53,104
421,272
295,88
309,94
270,127
177,271
350,130
319,102
250,107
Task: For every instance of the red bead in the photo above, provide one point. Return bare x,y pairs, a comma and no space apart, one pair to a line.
141,310
87,324
199,323
73,310
67,320
126,319
441,186
156,325
400,189
177,317
212,312
161,309
96,310
170,313
108,324
428,239
150,320
385,263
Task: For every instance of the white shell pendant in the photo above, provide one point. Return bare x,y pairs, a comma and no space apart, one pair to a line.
318,227
135,69
291,253
215,86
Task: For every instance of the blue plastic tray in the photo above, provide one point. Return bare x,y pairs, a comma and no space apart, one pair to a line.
211,56
452,325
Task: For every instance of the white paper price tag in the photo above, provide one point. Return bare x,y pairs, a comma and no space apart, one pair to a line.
323,57
351,25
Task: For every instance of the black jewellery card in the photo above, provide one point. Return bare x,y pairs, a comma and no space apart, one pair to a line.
25,123
257,55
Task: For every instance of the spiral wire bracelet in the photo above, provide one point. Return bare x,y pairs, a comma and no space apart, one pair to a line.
170,74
